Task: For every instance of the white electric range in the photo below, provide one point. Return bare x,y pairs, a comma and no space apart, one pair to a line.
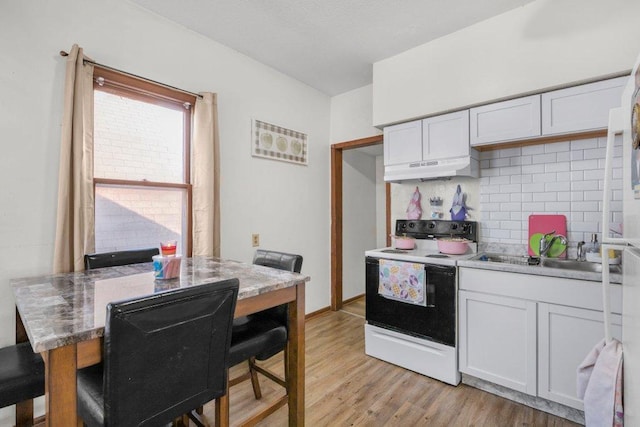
411,299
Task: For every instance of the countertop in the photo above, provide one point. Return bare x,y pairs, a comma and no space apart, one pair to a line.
540,271
65,308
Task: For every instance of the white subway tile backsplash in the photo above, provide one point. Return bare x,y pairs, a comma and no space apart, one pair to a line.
563,177
545,177
533,188
533,169
557,147
575,176
544,158
511,170
563,157
557,167
584,185
498,163
510,206
594,153
532,149
500,197
577,196
583,144
593,195
496,180
510,225
576,155
557,207
557,186
584,164
511,188
585,206
510,152
545,197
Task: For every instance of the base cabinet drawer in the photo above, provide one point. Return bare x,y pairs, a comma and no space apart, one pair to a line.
498,340
566,336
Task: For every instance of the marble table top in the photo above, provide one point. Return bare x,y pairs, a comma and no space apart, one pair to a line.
62,309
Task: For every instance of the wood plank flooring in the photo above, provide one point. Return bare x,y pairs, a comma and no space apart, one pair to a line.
345,387
355,307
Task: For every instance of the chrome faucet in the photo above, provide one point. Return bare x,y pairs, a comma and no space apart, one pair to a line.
581,255
546,245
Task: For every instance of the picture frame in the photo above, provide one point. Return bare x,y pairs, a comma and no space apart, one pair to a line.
275,142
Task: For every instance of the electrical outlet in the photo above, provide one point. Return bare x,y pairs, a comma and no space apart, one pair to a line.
255,240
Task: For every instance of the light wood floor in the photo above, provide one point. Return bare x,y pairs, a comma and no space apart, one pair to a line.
345,387
355,307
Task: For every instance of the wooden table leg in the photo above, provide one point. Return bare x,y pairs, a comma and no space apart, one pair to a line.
222,409
295,359
60,386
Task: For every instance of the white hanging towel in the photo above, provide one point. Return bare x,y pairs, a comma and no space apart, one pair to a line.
599,384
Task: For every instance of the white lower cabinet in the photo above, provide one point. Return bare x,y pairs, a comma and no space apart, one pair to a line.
498,340
565,337
529,332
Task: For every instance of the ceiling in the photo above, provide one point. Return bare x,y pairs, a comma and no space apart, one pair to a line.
328,44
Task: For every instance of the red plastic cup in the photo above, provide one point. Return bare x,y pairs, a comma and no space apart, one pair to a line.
168,247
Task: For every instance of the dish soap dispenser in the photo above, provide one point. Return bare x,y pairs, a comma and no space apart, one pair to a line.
593,249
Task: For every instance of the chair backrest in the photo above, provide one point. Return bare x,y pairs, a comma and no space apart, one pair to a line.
112,259
166,354
281,261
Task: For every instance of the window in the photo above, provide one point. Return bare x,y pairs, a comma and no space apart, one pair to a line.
141,163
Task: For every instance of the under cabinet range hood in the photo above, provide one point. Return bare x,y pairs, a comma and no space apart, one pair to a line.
425,170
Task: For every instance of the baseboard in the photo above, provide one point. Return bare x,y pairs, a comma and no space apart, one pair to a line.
317,313
352,299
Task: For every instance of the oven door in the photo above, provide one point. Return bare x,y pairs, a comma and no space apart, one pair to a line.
436,321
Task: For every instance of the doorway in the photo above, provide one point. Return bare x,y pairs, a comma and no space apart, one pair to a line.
337,151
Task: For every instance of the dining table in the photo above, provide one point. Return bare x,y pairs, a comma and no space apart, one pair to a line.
63,316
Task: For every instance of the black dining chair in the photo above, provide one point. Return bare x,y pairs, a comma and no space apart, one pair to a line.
113,259
21,380
262,335
163,356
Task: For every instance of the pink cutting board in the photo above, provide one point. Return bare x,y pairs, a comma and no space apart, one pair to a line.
545,224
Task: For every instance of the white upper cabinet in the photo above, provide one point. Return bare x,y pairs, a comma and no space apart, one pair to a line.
403,143
505,121
580,108
446,136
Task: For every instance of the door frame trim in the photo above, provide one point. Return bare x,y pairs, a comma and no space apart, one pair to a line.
336,212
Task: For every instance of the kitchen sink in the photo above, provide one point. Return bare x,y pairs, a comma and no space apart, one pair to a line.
563,264
569,264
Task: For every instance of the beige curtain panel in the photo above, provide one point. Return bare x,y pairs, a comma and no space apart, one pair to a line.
205,177
75,220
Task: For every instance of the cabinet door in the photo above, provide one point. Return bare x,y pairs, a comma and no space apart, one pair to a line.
580,108
498,340
505,121
446,136
403,143
566,336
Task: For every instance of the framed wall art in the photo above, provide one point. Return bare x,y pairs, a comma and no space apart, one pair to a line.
275,142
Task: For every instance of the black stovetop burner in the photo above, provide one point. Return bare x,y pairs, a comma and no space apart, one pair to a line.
394,251
436,256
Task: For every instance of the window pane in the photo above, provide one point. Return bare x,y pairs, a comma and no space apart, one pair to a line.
139,217
136,140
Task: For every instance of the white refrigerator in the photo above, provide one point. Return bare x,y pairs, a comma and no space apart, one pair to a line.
625,121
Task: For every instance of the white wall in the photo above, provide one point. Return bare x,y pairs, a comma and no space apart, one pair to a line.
358,219
287,204
351,115
543,44
350,120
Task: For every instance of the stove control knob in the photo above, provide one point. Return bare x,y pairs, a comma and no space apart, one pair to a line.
454,226
411,225
432,225
465,227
